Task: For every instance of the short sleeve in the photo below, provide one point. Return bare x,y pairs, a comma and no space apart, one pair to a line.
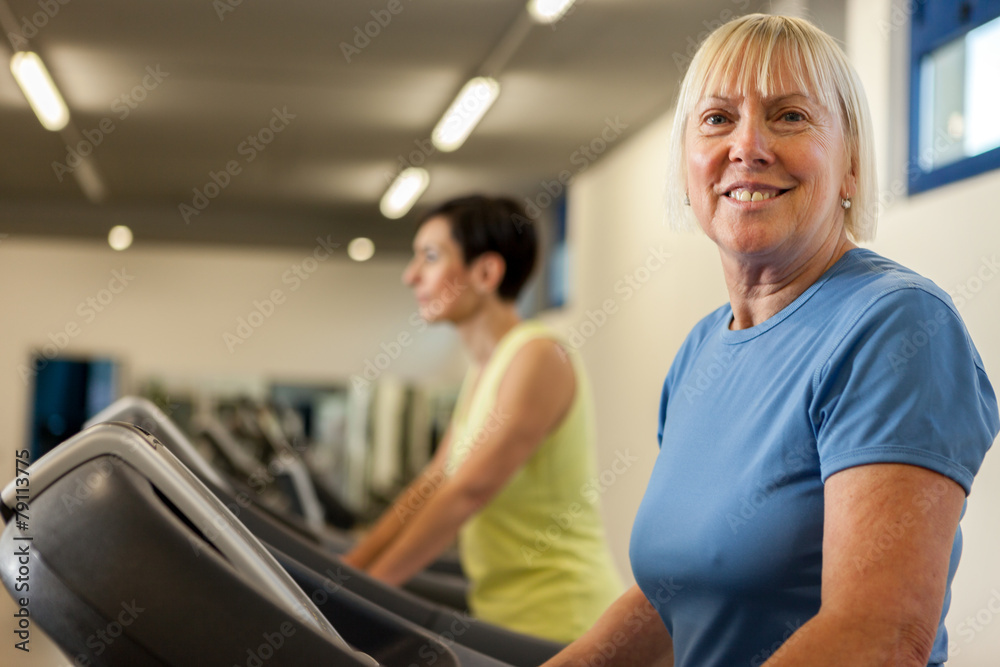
905,385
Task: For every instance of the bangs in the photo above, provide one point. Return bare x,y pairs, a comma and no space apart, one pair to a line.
746,59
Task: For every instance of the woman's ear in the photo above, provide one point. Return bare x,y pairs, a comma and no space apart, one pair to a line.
850,186
487,272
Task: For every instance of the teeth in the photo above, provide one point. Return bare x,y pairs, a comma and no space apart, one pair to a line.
747,195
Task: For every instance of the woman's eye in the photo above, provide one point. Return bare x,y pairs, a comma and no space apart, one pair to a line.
792,116
716,119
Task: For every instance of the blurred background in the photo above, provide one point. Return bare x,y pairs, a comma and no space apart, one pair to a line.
251,162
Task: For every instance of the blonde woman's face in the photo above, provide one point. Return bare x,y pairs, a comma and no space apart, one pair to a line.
766,176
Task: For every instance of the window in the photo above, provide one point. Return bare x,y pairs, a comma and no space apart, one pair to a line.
954,65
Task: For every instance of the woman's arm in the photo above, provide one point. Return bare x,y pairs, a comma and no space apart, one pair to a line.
887,540
534,396
629,633
407,505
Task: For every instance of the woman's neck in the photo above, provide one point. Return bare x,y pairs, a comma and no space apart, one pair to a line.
759,291
481,332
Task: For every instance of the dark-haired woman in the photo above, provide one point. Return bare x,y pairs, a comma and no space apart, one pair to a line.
512,475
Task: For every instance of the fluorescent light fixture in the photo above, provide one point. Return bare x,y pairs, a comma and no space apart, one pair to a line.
120,237
474,100
548,11
404,192
360,249
42,94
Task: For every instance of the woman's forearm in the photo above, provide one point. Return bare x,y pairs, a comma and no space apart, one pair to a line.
829,641
426,536
390,525
629,633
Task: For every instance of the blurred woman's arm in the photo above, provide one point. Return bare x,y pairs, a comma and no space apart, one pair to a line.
407,505
534,396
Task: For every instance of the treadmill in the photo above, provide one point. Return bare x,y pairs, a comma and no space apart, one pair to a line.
133,561
442,582
295,546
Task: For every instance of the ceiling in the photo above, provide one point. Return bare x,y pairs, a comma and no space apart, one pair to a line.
165,94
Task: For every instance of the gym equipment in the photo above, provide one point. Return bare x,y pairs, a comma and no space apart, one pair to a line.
287,540
131,560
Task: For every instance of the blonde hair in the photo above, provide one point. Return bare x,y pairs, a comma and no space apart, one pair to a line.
739,57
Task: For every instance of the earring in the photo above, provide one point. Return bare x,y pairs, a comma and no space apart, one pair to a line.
687,200
845,204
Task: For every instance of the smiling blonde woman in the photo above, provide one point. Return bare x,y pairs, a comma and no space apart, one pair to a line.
805,507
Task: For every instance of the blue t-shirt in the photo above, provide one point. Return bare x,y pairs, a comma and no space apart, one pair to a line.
872,363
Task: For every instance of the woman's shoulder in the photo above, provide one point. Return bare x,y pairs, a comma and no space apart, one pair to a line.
868,274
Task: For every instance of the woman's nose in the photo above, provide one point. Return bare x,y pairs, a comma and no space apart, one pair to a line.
751,143
410,273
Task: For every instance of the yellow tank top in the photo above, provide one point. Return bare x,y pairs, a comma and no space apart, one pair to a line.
536,555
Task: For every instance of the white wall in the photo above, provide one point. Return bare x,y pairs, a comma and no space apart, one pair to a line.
951,235
169,321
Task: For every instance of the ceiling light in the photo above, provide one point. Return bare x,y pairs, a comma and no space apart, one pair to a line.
360,249
42,94
548,11
474,100
404,192
120,237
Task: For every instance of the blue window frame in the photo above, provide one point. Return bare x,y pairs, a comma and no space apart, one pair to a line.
954,92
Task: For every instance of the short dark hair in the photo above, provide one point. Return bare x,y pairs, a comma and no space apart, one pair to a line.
481,224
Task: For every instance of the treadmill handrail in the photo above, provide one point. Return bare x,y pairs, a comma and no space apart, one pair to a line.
226,443
180,486
141,411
